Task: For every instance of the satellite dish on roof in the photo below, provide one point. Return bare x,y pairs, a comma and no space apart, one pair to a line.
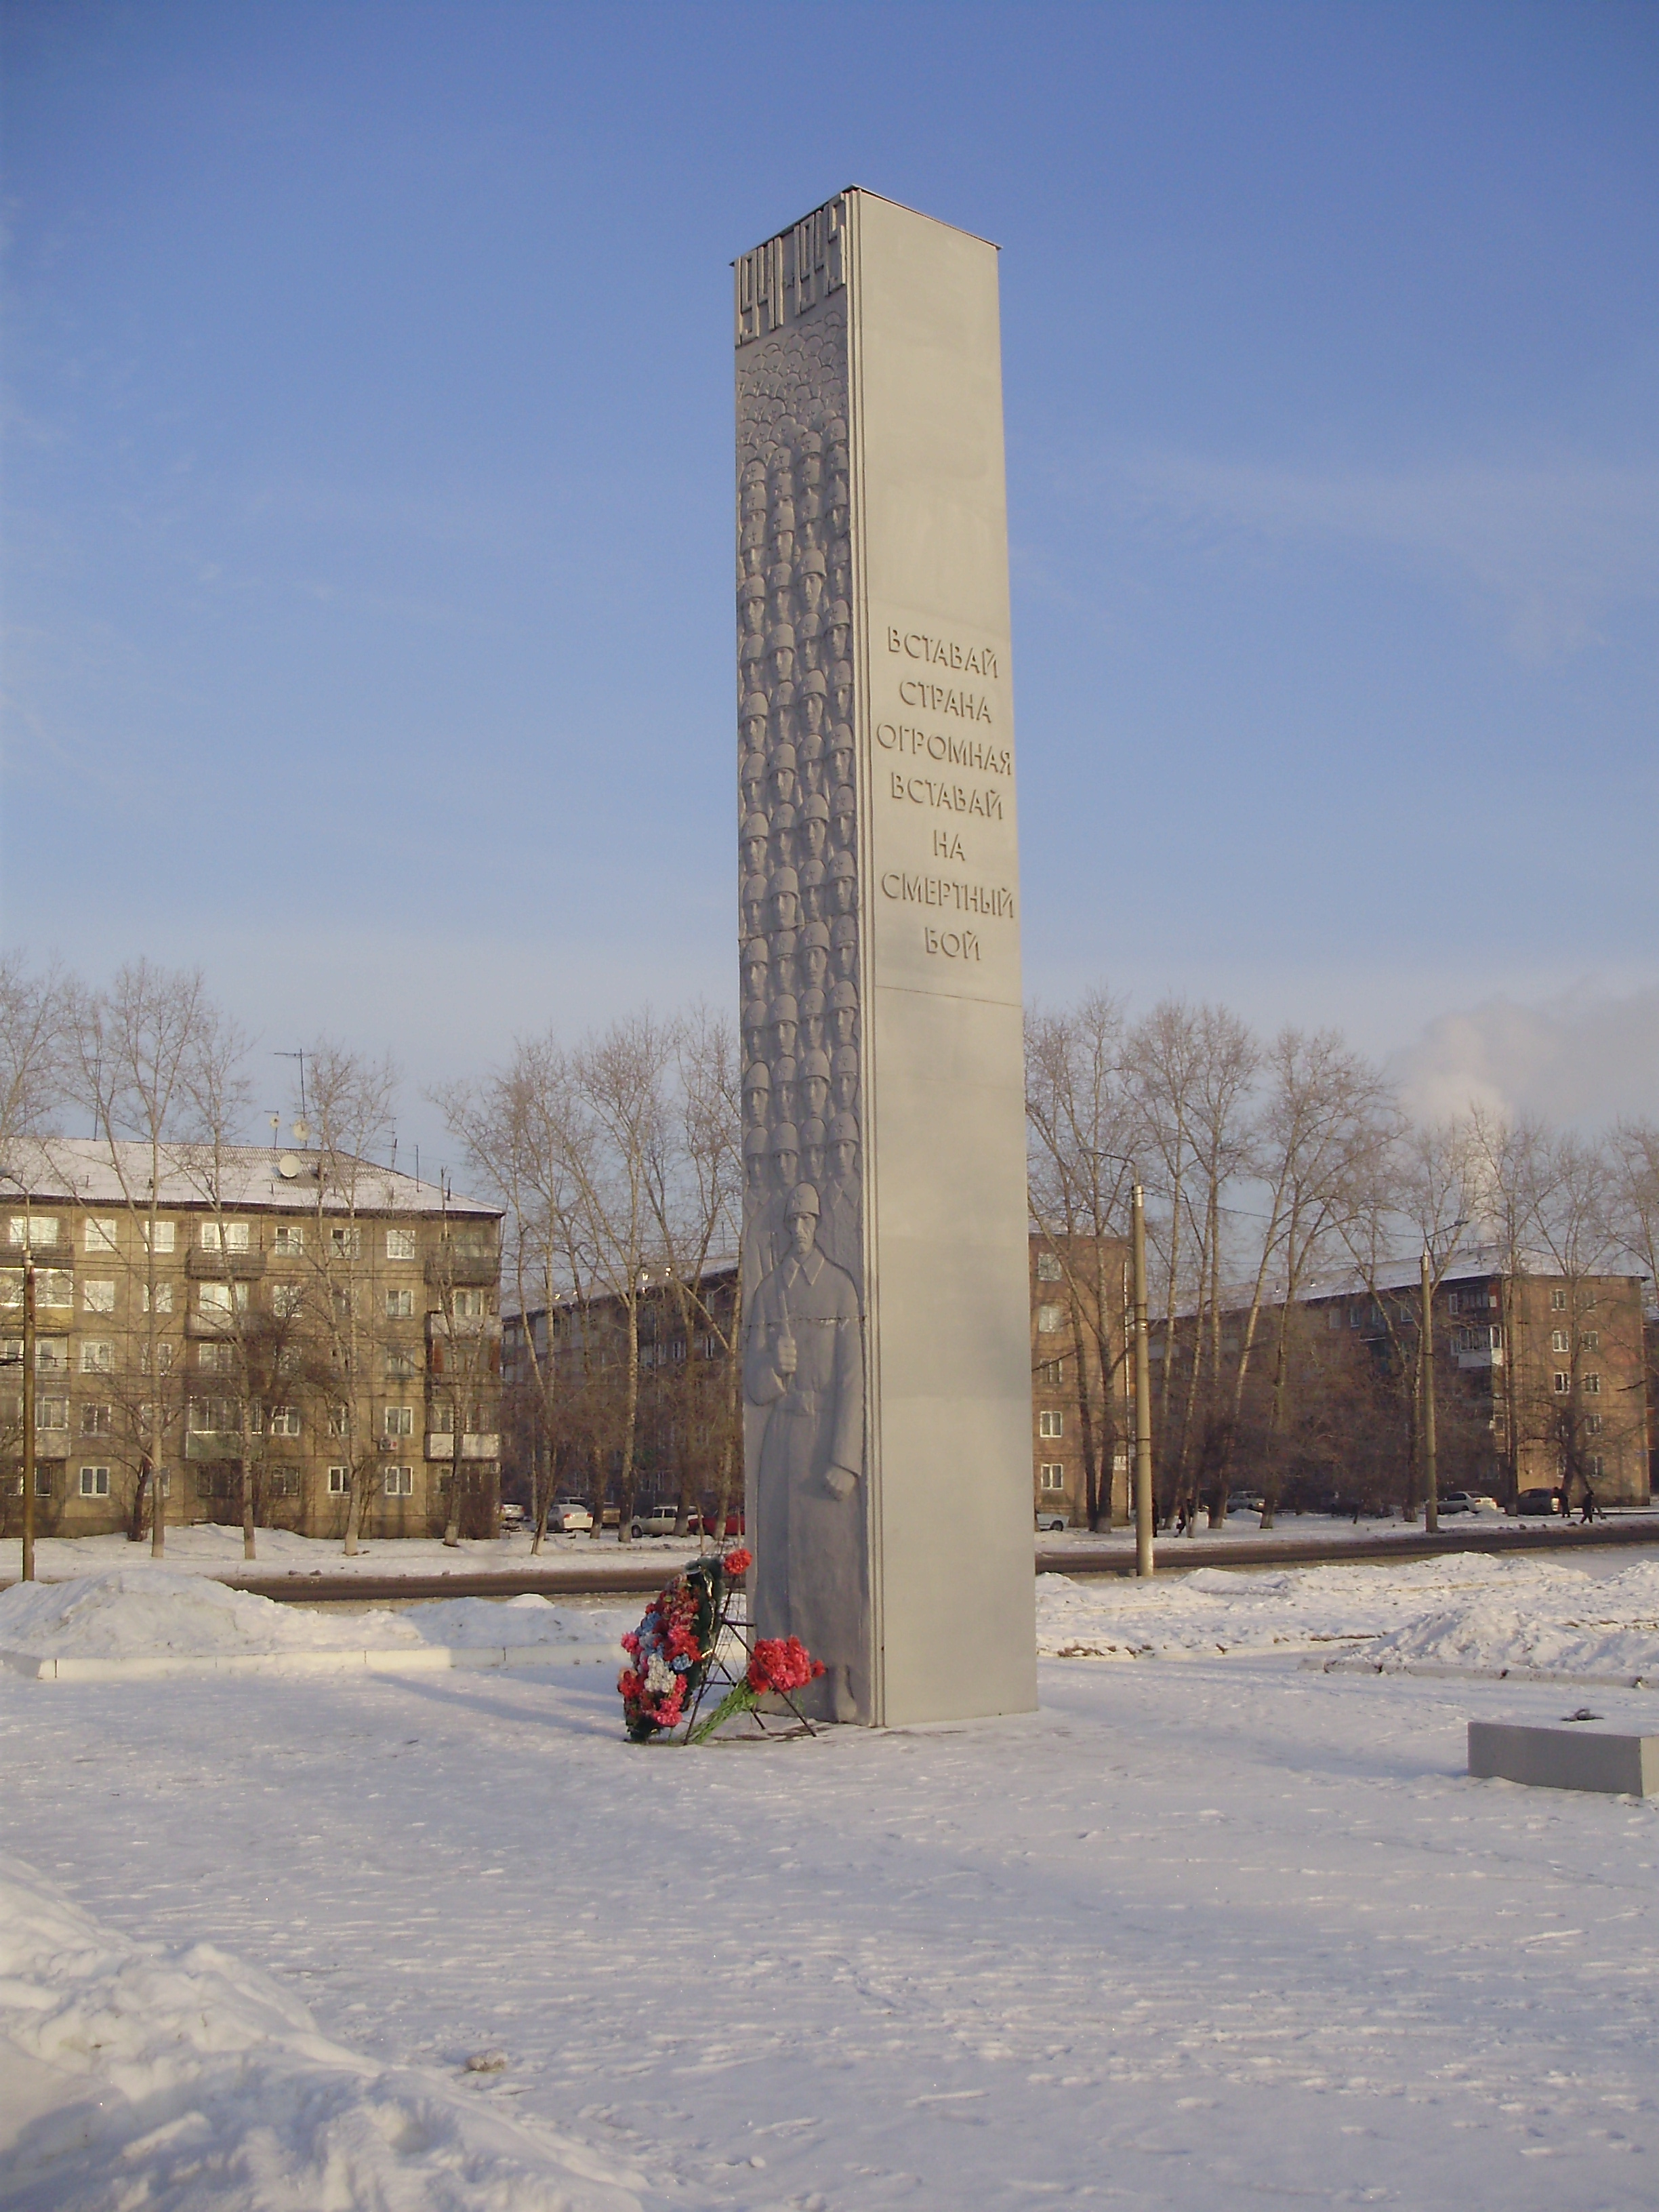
301,1132
288,1166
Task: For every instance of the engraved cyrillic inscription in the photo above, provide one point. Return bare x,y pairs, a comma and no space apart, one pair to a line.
949,750
943,652
994,900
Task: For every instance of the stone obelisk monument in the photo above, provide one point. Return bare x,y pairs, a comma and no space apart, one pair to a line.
887,1352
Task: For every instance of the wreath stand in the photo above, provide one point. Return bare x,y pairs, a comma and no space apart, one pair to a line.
730,1647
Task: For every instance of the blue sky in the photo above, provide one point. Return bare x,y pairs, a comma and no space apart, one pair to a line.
368,500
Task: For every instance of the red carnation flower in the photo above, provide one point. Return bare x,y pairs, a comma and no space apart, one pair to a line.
738,1561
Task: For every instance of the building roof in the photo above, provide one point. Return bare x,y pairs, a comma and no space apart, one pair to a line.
1480,1264
89,1171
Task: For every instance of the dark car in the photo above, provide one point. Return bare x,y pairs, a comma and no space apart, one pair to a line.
1539,1501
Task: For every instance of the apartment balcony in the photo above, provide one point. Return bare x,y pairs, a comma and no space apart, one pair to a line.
213,1443
223,1266
54,1443
484,1446
463,1271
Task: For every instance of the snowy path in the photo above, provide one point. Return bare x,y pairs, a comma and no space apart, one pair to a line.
1218,1934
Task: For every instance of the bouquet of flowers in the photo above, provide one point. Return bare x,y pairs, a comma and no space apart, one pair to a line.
780,1663
669,1650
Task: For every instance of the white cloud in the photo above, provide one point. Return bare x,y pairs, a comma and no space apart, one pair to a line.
1553,548
1585,1057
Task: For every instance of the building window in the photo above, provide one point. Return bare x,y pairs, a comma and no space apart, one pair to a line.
1592,1424
399,1421
51,1414
215,1358
217,1302
97,1357
339,1482
98,1298
1048,1269
1590,1385
339,1420
282,1482
98,1420
1051,1321
401,1366
160,1236
400,1244
1052,1474
400,1305
1597,1467
224,1235
95,1482
346,1243
1559,1341
288,1300
33,1229
400,1482
53,1286
471,1305
213,1417
163,1357
1563,1383
1334,1316
1557,1302
98,1233
50,1355
285,1420
288,1242
42,1482
1051,1372
156,1299
1591,1340
1051,1424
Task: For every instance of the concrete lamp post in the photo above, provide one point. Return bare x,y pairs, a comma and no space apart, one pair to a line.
28,1381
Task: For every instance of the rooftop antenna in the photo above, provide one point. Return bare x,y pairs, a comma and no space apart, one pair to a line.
276,1124
301,1127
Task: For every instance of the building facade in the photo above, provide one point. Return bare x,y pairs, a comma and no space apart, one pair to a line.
302,1327
1081,1408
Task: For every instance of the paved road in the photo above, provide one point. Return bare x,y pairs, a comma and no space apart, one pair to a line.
613,1576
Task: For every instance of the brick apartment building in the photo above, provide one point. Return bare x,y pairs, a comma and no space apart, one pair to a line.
1556,1367
188,1328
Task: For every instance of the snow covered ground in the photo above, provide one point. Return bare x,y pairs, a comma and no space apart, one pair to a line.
211,1549
1472,1612
1219,1934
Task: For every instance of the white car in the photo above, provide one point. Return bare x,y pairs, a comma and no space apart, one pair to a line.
569,1517
1052,1523
656,1521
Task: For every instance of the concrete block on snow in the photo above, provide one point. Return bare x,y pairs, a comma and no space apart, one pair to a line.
1578,1757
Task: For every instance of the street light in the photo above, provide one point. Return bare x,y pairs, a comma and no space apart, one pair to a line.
1426,1385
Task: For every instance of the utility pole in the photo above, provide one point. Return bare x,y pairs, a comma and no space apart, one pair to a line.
1425,1400
28,1405
1144,1564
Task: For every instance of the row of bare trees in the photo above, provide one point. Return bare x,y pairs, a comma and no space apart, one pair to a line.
1273,1168
1270,1167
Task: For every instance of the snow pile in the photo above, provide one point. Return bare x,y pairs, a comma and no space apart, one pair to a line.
134,2075
1212,1610
145,1612
471,1624
1607,1629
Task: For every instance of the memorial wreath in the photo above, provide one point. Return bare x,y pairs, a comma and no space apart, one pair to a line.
682,1643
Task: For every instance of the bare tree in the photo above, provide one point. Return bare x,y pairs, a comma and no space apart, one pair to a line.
1083,1126
134,1052
36,1056
350,1106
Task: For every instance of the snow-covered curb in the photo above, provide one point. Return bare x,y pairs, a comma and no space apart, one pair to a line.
428,1659
1354,1662
132,2073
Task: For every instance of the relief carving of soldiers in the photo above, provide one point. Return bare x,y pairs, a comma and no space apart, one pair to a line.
811,1022
841,1225
814,957
751,842
810,875
763,1228
843,1014
843,885
844,948
803,1371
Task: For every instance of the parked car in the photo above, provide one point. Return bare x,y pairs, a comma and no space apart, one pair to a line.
512,1516
707,1524
1456,1501
570,1517
656,1521
1245,1501
1052,1523
1539,1501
